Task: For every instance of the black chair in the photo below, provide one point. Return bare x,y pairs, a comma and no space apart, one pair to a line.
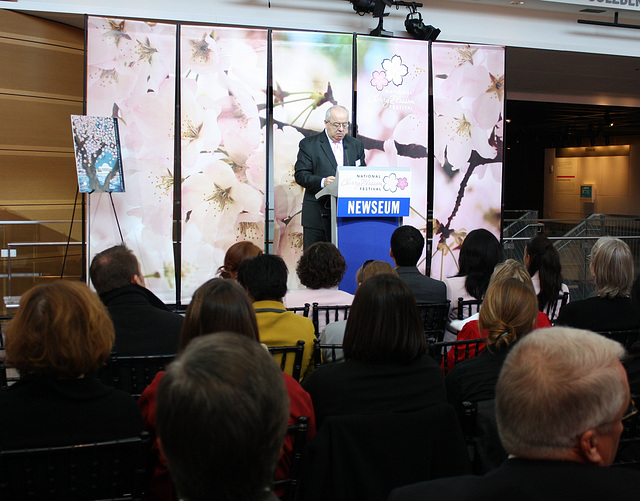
132,373
326,353
299,432
301,310
284,351
434,318
628,454
115,470
463,350
366,456
330,313
471,306
3,376
480,430
553,309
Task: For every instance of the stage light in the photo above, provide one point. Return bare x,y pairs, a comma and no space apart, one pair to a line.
363,7
416,27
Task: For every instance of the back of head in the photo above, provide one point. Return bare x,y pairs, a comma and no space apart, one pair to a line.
61,330
479,254
222,414
113,268
555,384
407,244
510,269
545,261
372,268
236,254
508,312
265,277
384,324
321,266
612,267
218,305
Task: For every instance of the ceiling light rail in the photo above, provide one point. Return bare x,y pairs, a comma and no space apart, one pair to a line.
614,24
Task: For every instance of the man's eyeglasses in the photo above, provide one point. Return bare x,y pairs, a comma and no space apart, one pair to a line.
340,125
632,410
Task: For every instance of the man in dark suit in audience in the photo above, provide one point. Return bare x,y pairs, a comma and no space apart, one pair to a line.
222,415
407,244
315,168
144,325
560,402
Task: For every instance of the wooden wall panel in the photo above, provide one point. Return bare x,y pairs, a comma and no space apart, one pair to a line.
42,177
44,70
36,124
25,27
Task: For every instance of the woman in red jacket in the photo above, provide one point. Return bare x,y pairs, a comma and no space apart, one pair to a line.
220,305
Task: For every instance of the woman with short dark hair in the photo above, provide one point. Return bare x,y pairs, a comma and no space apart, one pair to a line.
320,269
386,366
60,336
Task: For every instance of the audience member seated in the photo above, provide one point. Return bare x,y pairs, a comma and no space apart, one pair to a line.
479,254
219,305
386,367
222,416
509,269
333,333
320,269
265,280
560,402
407,245
509,311
59,337
611,308
237,253
144,325
543,263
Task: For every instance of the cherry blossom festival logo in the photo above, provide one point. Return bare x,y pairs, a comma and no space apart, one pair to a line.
393,183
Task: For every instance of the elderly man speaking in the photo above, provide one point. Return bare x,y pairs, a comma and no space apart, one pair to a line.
318,157
560,402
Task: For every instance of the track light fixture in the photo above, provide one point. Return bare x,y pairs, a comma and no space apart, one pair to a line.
416,27
413,24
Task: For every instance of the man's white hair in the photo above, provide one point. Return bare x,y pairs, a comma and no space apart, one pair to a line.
556,384
327,115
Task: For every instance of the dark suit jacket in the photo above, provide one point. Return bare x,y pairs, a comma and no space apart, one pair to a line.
529,480
600,314
143,324
425,289
316,161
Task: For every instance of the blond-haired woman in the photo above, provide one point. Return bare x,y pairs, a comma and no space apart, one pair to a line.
509,311
471,330
610,308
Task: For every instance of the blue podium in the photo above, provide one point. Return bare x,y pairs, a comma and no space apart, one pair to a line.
367,205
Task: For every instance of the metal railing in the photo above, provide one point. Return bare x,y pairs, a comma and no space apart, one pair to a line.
574,240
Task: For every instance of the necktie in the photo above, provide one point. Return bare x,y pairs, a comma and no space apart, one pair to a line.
337,152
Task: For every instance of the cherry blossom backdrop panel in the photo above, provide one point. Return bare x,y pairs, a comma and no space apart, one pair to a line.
393,100
223,91
311,72
131,76
468,96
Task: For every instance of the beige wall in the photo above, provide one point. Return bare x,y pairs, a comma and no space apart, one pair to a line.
614,173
